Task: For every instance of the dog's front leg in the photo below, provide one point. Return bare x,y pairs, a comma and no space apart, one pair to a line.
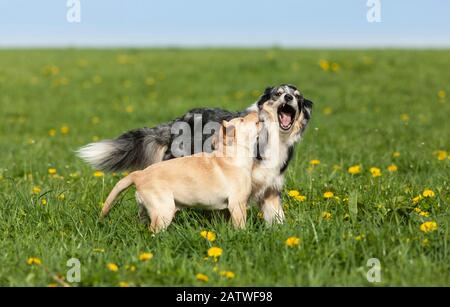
272,208
238,212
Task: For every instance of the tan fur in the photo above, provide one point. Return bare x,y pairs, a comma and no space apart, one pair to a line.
168,186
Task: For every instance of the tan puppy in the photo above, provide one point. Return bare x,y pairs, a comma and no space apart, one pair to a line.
217,180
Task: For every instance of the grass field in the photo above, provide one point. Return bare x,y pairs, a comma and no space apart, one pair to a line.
372,109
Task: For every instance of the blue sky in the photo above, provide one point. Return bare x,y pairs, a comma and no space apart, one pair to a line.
289,23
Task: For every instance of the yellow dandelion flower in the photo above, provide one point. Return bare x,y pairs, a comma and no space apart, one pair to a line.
396,154
34,261
417,210
52,285
95,120
64,129
324,64
375,171
424,213
123,284
416,199
392,168
260,215
314,162
359,237
36,190
202,277
300,198
425,242
441,94
326,215
404,117
428,193
327,110
52,132
292,241
112,267
227,274
293,193
429,226
130,268
355,169
129,109
52,171
214,252
145,256
61,197
43,201
99,174
335,67
328,195
208,235
441,155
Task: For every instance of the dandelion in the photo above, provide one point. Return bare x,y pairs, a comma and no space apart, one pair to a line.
123,284
52,171
95,120
441,94
375,171
425,242
441,155
214,252
324,64
424,213
416,199
130,268
428,193
52,285
335,67
326,215
64,129
355,169
392,168
145,256
36,190
52,132
360,237
417,210
260,215
327,110
34,261
292,241
300,198
43,201
208,235
396,154
404,117
227,274
328,195
201,277
129,109
99,174
293,193
428,226
112,267
314,162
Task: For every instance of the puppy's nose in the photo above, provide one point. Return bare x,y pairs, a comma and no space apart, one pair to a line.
288,97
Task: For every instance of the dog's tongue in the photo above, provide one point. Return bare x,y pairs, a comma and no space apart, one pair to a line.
285,119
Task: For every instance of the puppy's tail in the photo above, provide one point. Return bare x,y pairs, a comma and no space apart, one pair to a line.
133,150
120,186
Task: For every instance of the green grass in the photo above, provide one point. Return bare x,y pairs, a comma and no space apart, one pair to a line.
357,119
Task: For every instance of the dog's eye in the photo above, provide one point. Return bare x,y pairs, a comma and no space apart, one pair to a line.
278,94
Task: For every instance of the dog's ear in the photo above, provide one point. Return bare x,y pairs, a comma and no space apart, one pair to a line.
306,107
264,97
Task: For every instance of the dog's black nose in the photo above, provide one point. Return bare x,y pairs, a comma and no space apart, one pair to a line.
288,97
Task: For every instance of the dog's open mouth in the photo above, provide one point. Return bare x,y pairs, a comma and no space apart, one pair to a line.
286,116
